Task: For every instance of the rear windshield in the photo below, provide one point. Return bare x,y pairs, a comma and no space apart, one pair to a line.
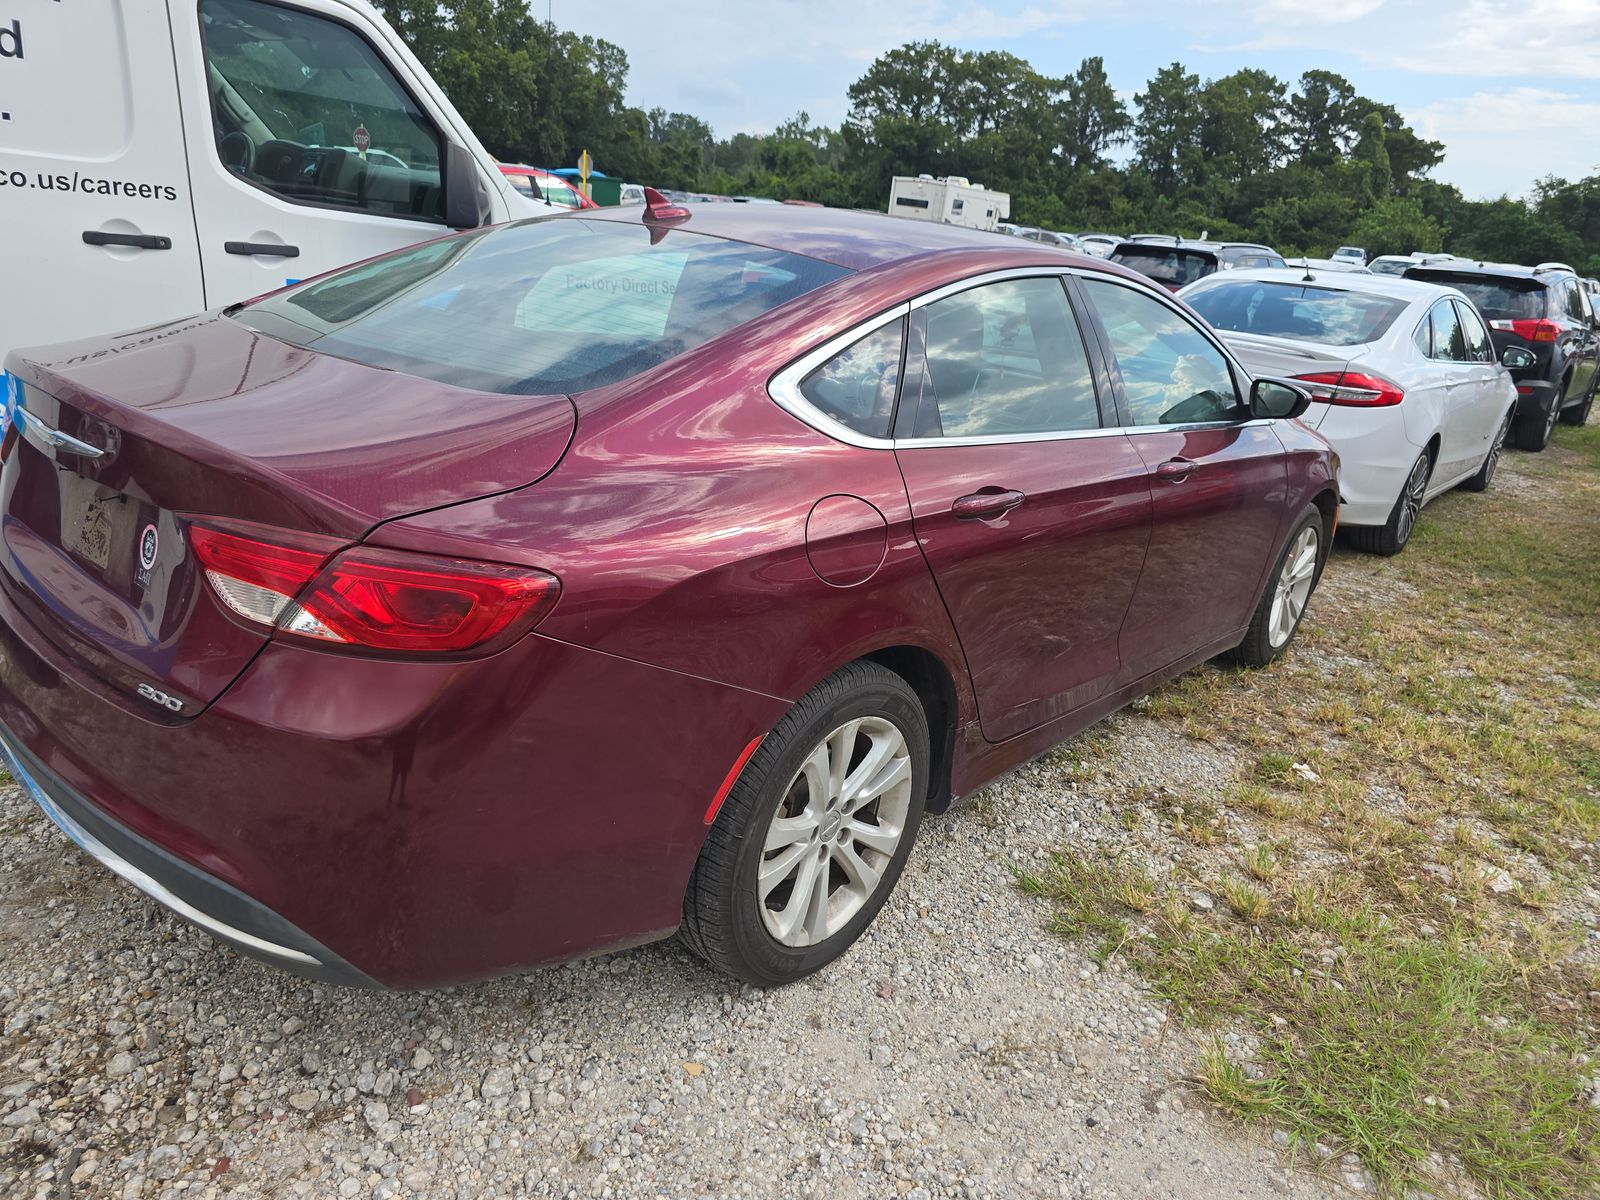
1166,264
543,306
1293,310
1497,299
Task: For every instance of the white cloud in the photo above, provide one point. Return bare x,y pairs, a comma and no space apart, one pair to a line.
1493,135
1538,38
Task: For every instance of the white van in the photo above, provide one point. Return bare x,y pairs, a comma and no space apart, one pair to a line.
159,157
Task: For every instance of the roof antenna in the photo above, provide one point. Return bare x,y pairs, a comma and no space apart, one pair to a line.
1306,263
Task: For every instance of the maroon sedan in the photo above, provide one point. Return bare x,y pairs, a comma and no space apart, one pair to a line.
551,588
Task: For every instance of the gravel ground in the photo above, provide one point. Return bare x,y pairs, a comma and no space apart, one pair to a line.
961,1049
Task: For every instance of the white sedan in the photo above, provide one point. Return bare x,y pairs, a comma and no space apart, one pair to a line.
1402,374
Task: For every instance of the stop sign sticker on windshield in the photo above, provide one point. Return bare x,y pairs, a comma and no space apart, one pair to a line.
361,139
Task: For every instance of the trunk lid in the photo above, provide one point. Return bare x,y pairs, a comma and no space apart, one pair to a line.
117,438
1286,358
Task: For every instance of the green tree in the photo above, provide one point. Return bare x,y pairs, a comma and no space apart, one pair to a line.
1091,119
1398,225
1322,117
1373,157
1166,129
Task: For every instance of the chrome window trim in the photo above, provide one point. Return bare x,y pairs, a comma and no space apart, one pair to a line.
784,387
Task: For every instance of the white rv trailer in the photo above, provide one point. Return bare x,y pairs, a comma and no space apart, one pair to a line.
950,201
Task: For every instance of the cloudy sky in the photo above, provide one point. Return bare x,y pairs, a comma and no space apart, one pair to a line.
1512,87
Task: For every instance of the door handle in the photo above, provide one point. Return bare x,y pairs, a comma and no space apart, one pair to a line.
277,249
986,506
141,241
1175,470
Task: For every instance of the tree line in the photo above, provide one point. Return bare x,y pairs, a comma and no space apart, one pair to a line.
1303,165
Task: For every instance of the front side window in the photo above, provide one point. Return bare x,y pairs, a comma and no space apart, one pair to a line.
1005,358
1479,348
539,307
1449,338
303,107
856,387
1172,374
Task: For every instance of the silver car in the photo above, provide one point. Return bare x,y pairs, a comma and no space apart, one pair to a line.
1402,375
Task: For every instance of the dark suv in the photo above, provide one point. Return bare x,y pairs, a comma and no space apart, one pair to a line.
1176,263
1548,311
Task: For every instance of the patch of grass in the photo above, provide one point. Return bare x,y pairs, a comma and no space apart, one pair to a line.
1407,1002
1394,1048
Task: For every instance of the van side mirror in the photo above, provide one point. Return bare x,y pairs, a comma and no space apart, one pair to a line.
1517,358
1278,399
466,203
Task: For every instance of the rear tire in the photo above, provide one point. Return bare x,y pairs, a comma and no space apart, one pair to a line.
1391,537
1480,482
1294,578
1533,430
1580,414
811,840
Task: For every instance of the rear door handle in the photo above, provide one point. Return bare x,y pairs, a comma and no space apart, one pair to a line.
1175,470
986,506
277,249
142,241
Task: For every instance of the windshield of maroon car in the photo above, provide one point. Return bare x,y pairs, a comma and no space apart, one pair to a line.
1165,264
541,307
1297,311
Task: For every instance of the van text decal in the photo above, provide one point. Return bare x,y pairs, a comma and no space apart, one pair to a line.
94,185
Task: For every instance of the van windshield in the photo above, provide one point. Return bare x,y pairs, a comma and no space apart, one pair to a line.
552,305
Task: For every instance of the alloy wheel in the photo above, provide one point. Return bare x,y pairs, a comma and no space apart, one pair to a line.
835,831
1411,500
1499,445
1294,586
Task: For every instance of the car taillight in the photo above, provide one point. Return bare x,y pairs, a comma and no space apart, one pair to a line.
1352,389
305,586
1532,331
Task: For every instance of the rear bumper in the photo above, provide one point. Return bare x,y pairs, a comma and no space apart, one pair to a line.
222,911
411,824
1376,455
1535,402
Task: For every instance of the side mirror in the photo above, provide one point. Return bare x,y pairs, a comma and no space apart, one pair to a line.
466,203
1517,358
1278,399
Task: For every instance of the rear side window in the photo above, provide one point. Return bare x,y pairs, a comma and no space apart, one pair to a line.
857,386
540,307
1479,348
303,107
1299,311
1005,358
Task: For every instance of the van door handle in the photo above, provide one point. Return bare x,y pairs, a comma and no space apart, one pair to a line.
142,241
1175,470
985,506
277,249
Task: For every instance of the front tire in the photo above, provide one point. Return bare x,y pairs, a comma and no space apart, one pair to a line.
1277,618
1391,537
814,835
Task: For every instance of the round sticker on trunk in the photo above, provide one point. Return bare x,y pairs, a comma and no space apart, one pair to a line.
149,546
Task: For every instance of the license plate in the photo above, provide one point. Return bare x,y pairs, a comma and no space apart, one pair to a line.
90,522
